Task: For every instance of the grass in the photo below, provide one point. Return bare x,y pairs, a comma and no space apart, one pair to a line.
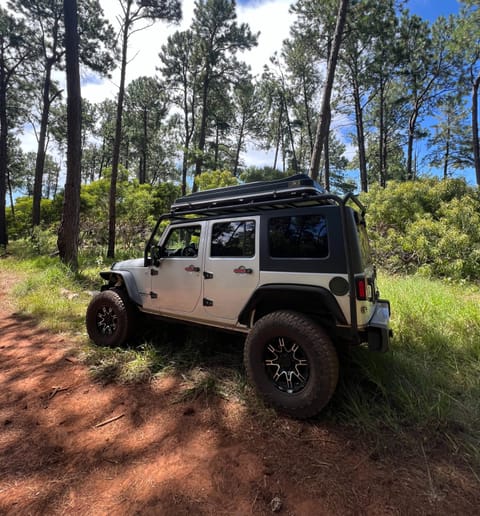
428,385
429,382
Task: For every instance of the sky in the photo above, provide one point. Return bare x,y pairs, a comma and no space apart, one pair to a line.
271,18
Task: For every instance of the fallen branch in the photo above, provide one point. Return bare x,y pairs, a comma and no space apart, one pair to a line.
56,390
111,420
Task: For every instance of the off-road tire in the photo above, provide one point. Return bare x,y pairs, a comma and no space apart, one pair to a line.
292,341
110,318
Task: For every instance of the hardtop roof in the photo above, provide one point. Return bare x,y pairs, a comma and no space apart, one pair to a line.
294,191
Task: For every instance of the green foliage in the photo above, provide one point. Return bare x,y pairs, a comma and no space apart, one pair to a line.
138,207
429,226
20,225
215,179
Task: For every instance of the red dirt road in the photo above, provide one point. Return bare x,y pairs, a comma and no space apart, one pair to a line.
207,457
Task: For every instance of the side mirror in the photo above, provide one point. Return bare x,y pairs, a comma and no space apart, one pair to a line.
156,252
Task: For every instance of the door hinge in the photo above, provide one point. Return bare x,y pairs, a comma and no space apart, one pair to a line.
153,272
207,302
153,295
207,275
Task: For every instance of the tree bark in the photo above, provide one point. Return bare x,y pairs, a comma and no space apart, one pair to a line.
3,159
323,122
446,158
112,212
239,147
69,228
279,135
362,160
142,173
475,138
41,149
203,127
290,135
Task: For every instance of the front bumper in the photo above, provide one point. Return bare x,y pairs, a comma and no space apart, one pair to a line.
378,328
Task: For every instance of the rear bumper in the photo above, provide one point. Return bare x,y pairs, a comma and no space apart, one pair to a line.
378,328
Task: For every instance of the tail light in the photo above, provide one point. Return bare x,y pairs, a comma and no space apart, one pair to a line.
361,284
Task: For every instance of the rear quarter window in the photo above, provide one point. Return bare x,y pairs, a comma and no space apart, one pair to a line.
298,236
364,245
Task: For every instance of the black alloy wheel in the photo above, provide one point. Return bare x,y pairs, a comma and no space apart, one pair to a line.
292,363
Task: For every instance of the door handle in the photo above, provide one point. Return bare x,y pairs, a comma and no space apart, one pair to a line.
242,270
192,268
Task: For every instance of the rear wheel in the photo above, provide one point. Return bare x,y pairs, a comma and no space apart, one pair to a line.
110,318
292,363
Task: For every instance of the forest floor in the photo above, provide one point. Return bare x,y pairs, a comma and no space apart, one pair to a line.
69,444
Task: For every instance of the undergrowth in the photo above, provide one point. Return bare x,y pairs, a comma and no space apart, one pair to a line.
427,385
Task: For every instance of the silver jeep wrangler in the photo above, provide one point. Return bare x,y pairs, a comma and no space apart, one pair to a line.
284,262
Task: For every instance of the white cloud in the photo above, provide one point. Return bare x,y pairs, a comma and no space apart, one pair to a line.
270,18
273,20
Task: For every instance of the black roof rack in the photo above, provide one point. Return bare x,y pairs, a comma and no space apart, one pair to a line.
294,191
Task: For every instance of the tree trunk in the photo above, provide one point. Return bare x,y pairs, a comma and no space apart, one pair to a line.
217,142
307,115
70,225
382,151
446,158
41,149
475,139
188,137
112,212
323,126
412,123
326,149
279,134
290,135
3,159
203,127
142,176
10,195
239,147
360,139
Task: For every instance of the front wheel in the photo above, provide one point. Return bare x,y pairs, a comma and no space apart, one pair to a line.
110,318
292,363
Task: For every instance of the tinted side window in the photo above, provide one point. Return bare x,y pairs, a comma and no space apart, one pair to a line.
298,237
233,239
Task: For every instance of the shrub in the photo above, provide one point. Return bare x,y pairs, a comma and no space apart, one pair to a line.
427,226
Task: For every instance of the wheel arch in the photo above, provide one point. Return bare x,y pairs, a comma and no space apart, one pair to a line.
309,299
123,280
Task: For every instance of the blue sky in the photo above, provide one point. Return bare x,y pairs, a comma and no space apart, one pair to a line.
431,9
428,9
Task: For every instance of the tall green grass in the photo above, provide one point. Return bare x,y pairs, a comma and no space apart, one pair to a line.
50,292
427,385
430,380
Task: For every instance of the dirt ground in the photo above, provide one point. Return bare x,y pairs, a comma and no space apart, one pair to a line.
69,445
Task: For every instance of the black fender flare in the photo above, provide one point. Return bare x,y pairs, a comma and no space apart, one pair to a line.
122,279
303,298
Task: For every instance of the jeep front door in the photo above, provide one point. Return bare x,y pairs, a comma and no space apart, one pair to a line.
176,283
231,267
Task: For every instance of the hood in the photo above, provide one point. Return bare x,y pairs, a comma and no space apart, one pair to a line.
128,264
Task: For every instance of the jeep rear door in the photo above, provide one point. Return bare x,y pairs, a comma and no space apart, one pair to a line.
231,271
